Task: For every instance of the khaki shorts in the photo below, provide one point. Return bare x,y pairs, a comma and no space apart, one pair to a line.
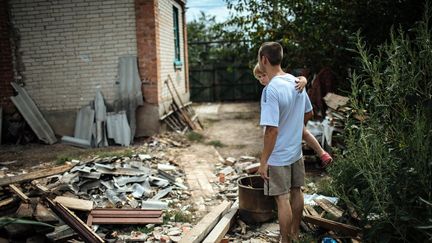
283,178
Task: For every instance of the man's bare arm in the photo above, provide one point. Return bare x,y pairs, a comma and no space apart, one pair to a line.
270,136
308,116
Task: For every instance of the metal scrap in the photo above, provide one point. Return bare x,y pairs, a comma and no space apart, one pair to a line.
129,90
118,128
100,118
84,123
78,142
32,115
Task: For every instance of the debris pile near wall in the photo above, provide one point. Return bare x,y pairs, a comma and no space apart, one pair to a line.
144,192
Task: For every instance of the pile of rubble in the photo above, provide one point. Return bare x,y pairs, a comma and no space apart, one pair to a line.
321,217
144,189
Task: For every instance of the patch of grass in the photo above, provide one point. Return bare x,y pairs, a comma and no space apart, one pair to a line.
324,186
239,146
307,238
216,143
144,229
195,137
177,216
61,159
116,153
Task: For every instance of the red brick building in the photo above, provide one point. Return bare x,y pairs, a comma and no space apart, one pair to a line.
61,51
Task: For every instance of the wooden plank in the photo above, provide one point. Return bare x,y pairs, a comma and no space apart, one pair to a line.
203,227
20,194
75,203
127,220
38,186
85,232
330,207
178,107
220,230
332,225
6,201
126,213
310,226
34,175
311,211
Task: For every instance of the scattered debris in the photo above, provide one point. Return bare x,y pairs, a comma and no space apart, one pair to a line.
223,225
206,224
34,175
85,232
181,117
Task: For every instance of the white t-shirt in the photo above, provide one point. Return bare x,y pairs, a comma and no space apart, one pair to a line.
284,107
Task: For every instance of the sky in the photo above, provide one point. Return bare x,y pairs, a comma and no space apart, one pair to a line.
211,7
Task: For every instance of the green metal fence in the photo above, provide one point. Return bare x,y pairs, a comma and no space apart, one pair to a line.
223,82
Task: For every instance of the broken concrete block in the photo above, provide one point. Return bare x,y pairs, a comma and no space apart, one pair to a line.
42,214
25,210
227,170
166,167
247,158
230,161
150,204
144,157
253,168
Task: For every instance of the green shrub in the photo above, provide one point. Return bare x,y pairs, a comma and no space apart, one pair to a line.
195,137
386,171
216,143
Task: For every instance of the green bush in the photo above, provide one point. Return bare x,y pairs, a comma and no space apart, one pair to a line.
386,171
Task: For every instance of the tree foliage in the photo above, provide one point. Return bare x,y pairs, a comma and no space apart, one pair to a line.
315,34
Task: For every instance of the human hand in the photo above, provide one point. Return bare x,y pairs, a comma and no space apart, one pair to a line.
263,169
300,83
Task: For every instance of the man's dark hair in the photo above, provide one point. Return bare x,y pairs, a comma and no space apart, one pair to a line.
273,51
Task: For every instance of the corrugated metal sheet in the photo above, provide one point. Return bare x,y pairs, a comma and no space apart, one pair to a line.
129,90
84,123
32,115
118,128
78,142
100,117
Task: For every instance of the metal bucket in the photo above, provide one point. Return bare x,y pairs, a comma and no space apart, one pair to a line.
254,206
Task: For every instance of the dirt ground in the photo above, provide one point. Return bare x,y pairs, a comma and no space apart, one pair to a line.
234,125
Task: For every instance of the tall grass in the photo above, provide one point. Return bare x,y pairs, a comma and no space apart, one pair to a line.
386,171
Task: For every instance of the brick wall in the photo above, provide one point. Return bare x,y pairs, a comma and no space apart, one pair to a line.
147,26
167,48
70,47
6,68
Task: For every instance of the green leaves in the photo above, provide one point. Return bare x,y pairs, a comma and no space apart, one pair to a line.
389,155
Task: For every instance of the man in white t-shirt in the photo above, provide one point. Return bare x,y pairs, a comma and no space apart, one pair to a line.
283,110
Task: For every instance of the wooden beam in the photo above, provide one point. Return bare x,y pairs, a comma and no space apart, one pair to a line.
75,203
220,230
178,107
38,186
330,207
34,175
332,225
6,201
203,227
20,194
97,220
311,210
126,213
85,232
